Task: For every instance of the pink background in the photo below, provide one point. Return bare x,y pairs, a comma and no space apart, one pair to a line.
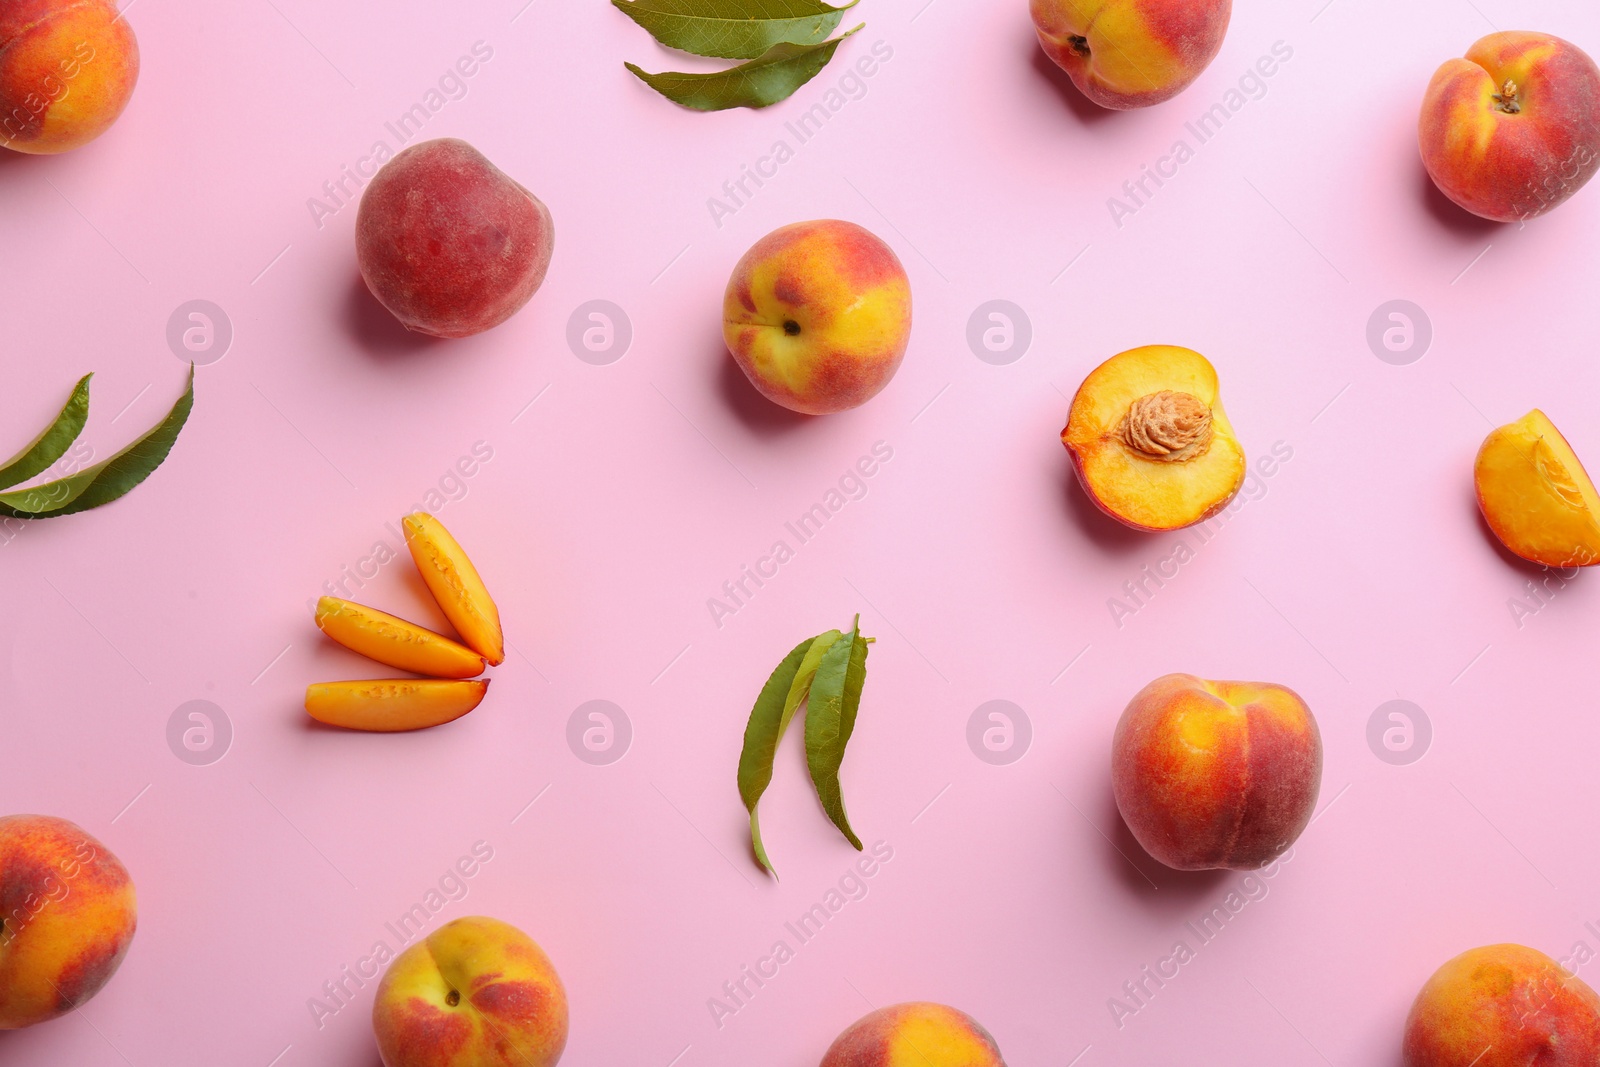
617,504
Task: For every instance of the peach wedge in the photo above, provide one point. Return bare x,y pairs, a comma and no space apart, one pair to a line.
455,584
395,642
391,705
1536,496
1150,441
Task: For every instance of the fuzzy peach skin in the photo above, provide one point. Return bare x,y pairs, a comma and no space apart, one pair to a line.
448,242
1536,496
67,69
67,917
1513,129
818,316
1132,53
1503,1006
477,992
1216,774
914,1035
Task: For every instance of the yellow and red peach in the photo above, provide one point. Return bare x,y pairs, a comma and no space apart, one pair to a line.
1536,496
1150,441
818,316
1132,53
448,242
1216,774
67,70
67,917
1513,129
914,1035
477,992
1503,1006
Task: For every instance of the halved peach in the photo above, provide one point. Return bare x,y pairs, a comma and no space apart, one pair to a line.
394,641
389,705
1536,496
455,584
1150,441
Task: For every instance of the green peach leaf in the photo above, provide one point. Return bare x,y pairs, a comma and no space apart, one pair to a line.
807,672
762,734
104,482
52,444
759,83
734,29
785,690
831,719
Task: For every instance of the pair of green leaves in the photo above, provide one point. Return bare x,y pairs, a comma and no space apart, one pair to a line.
93,486
784,42
826,673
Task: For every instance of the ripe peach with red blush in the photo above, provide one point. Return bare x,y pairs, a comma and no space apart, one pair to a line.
1513,129
1216,774
67,917
818,316
477,992
914,1035
1503,1006
448,242
67,70
1131,53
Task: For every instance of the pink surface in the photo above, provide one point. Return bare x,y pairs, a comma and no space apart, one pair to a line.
627,494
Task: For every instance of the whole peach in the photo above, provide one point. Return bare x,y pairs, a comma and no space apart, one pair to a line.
67,917
1503,1006
818,315
67,69
1132,53
477,992
1216,774
450,244
914,1035
1513,129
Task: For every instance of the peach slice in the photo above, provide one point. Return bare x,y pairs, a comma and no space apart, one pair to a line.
1536,496
390,705
1150,441
395,642
455,584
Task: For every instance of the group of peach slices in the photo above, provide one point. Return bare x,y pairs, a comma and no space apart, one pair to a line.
452,686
